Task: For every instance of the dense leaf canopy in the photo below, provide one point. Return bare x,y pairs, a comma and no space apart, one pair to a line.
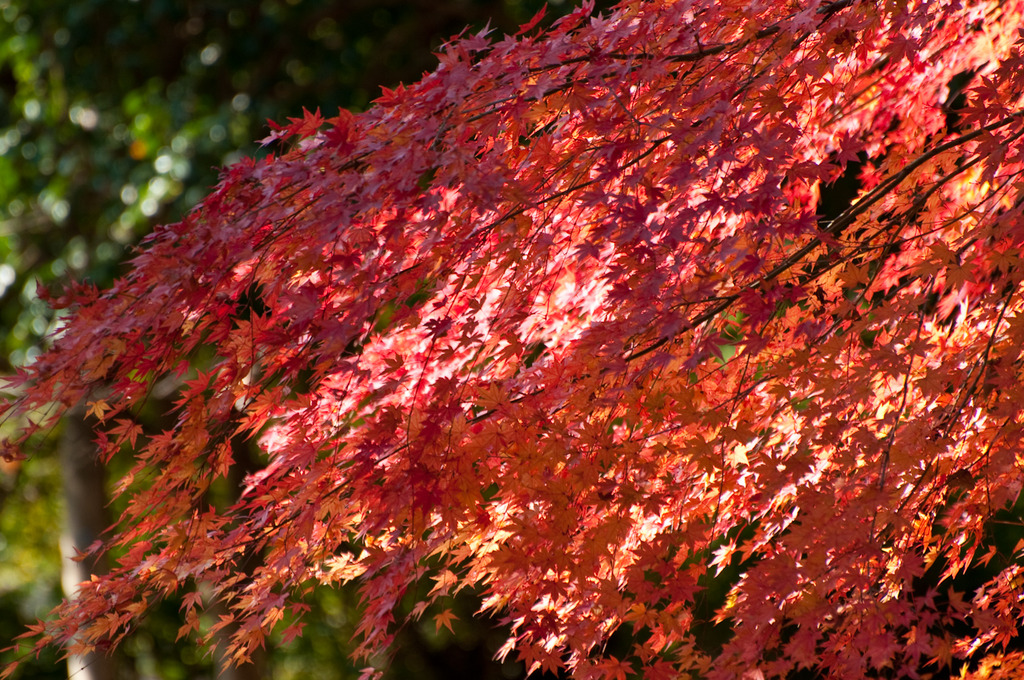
115,116
565,322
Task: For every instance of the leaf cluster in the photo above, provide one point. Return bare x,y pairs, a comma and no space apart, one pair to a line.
561,322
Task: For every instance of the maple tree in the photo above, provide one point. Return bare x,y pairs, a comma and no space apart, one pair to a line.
84,163
564,322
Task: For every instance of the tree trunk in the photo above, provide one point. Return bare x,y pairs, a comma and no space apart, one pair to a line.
86,517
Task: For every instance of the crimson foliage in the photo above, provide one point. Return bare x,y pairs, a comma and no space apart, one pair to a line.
562,322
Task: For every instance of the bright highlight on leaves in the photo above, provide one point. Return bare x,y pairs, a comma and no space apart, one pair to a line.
570,321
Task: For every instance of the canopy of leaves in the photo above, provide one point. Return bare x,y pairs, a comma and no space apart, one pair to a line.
114,114
117,114
562,322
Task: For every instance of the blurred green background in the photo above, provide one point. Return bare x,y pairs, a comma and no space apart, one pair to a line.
116,115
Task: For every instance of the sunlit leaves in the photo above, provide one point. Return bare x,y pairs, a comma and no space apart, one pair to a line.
560,322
